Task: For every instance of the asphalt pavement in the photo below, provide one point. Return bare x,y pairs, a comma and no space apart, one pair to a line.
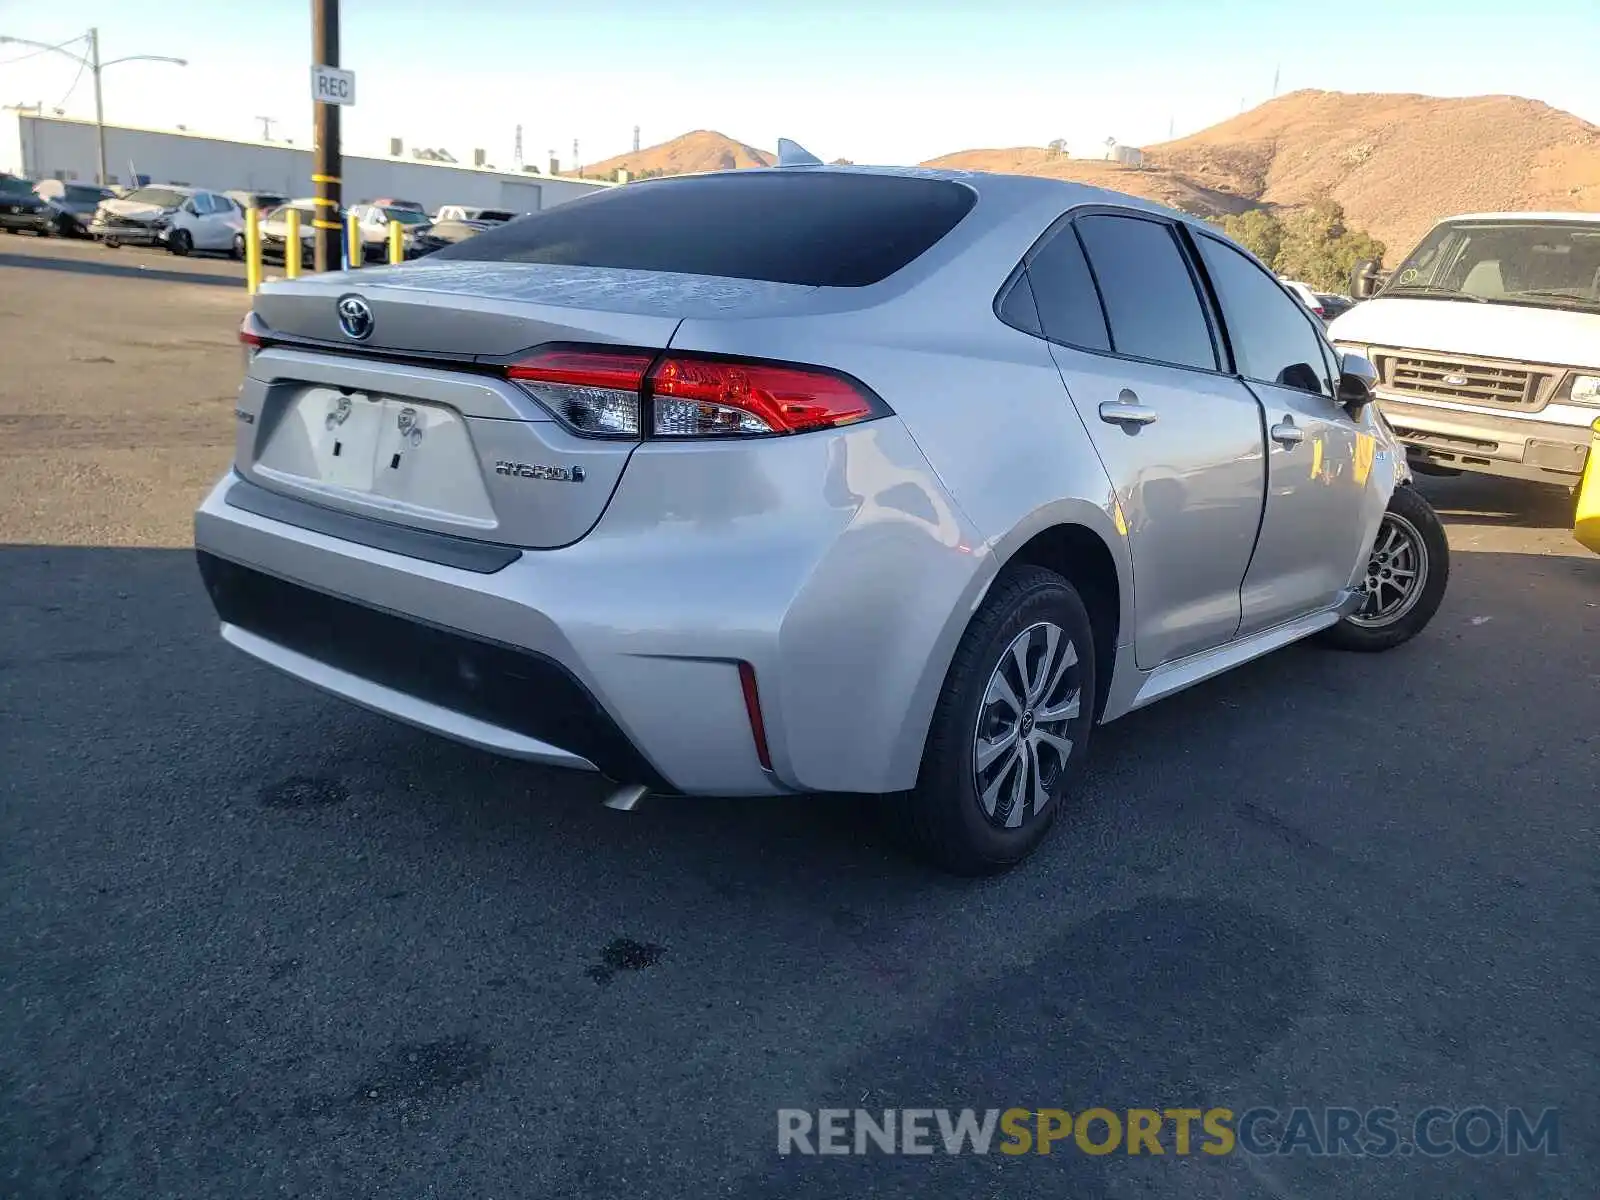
255,942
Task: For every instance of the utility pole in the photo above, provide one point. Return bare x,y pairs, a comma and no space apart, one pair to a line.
326,162
99,106
1277,72
266,127
95,66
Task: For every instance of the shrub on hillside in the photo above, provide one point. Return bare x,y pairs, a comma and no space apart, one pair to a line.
1311,244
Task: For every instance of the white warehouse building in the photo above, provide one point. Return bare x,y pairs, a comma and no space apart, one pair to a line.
46,147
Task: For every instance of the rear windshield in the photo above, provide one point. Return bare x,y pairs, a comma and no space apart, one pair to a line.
819,229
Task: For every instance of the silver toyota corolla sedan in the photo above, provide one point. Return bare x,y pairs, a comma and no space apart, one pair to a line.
809,479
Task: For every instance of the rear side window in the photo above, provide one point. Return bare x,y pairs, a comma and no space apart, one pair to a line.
1273,339
819,229
1063,289
1151,303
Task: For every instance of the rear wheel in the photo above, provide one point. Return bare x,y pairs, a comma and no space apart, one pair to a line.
179,242
1011,729
1405,578
238,246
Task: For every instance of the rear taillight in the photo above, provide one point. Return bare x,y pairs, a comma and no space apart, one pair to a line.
619,393
252,331
705,397
594,391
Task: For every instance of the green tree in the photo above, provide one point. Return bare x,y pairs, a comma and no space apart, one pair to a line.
1319,249
1258,231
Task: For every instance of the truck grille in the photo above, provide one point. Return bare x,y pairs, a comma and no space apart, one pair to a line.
1487,383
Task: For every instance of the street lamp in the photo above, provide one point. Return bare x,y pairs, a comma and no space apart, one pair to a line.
95,67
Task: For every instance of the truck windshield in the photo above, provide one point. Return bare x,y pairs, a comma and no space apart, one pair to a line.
1554,264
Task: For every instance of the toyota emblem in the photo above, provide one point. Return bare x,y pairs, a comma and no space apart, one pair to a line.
355,317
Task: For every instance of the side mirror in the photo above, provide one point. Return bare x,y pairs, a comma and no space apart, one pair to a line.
1364,279
1357,379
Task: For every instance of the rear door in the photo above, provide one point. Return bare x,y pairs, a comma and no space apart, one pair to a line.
1318,456
1179,438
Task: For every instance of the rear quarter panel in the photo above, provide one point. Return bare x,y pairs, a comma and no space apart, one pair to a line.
985,406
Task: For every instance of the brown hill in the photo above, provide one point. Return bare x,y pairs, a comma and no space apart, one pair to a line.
702,150
1171,188
1397,163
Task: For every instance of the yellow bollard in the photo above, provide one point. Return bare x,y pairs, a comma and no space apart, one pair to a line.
1586,524
252,250
397,242
292,249
358,248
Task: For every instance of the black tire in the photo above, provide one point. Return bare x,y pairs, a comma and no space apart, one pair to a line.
1373,633
237,252
944,816
179,242
111,244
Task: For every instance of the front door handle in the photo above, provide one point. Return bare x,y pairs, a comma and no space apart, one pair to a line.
1127,411
1286,433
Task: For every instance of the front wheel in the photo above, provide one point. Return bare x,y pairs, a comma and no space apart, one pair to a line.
179,242
237,252
1010,731
1405,578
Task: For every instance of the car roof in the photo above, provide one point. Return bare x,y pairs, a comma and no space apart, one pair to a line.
1575,217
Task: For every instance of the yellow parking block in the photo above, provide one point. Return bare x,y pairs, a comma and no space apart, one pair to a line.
1586,528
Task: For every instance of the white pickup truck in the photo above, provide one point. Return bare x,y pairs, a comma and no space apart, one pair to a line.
1487,344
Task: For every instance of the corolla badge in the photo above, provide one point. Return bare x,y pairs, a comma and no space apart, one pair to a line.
355,317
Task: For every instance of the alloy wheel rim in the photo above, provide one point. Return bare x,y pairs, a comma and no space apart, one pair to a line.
1396,573
1020,745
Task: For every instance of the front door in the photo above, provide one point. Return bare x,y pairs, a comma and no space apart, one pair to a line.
1180,440
1319,458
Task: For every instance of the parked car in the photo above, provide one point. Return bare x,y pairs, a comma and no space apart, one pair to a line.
264,202
407,205
22,210
447,232
374,221
1304,294
897,504
275,231
1334,305
1487,343
182,219
72,205
462,212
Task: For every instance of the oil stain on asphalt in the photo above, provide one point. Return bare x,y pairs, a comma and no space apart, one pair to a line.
624,954
303,791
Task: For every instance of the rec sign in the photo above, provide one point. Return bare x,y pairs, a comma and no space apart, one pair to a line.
330,85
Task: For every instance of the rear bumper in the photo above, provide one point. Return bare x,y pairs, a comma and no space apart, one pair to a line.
837,570
1516,447
500,698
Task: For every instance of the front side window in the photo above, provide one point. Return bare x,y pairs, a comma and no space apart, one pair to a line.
1151,304
1273,341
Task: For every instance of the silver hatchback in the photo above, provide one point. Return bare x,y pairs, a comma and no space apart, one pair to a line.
809,479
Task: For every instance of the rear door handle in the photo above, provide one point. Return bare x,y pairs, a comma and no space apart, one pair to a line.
1127,411
1286,433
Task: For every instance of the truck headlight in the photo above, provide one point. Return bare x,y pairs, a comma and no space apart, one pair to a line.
1586,389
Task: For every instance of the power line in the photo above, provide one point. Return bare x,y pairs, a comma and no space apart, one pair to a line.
76,79
42,50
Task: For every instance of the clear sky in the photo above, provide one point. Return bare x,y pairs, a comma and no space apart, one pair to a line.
868,80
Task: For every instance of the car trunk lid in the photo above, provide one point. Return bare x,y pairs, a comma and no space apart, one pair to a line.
417,421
